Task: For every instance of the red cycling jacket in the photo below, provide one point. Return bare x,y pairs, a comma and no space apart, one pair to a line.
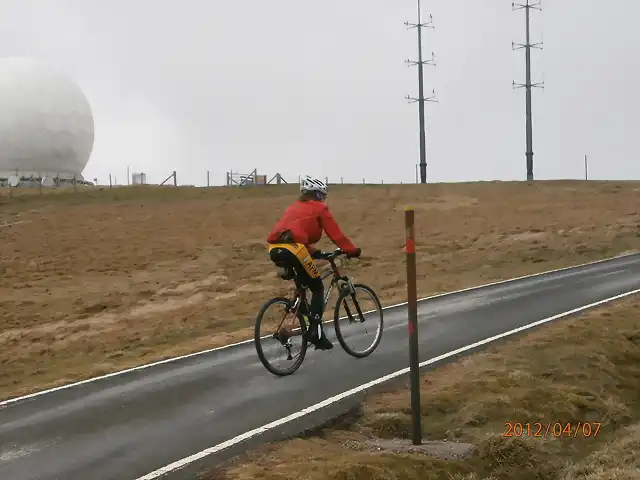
306,221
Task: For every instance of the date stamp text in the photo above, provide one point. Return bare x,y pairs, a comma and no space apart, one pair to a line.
551,429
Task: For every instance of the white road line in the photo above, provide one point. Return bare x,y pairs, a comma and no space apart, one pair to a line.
244,342
172,467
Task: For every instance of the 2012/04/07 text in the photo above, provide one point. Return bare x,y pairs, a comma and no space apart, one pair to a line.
555,429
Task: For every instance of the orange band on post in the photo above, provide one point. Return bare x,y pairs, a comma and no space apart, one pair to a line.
410,247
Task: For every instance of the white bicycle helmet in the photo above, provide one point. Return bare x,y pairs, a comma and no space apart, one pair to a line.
313,184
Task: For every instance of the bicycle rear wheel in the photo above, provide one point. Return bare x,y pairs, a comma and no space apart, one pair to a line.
282,334
359,320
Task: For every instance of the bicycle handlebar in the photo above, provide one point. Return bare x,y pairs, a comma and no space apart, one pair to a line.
331,255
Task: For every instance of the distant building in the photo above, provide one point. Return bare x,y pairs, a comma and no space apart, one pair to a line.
46,124
139,178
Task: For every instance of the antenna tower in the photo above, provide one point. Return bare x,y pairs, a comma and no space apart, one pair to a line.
528,85
421,99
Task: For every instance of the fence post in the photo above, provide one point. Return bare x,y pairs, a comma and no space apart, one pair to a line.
586,168
412,304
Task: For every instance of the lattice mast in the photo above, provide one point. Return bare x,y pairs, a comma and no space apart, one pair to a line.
528,6
421,98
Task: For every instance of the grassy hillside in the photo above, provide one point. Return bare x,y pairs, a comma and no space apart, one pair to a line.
98,280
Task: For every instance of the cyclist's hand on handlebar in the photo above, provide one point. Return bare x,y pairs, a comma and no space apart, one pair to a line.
319,255
338,251
356,253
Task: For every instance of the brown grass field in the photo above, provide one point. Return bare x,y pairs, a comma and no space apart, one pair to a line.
102,279
581,376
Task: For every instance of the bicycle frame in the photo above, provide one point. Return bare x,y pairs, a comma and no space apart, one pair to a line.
338,278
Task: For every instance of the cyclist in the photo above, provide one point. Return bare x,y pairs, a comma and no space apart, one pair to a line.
290,247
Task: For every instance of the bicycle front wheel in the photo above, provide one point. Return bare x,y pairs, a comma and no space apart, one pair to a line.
279,331
358,320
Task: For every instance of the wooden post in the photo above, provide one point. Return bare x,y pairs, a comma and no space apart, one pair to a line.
412,305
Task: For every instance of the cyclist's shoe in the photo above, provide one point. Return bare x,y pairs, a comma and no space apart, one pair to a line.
317,337
323,343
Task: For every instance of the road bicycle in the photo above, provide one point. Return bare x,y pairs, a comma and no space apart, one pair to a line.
295,324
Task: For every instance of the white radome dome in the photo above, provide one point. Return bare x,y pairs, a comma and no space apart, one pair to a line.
46,124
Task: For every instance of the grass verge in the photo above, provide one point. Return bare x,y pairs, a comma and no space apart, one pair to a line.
581,376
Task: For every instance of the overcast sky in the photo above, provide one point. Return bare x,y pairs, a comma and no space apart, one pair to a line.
298,87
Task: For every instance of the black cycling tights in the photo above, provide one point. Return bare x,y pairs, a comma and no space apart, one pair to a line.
284,258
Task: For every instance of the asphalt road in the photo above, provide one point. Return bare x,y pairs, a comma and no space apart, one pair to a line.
124,427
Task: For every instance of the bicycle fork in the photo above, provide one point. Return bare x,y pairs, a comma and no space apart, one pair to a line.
348,284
